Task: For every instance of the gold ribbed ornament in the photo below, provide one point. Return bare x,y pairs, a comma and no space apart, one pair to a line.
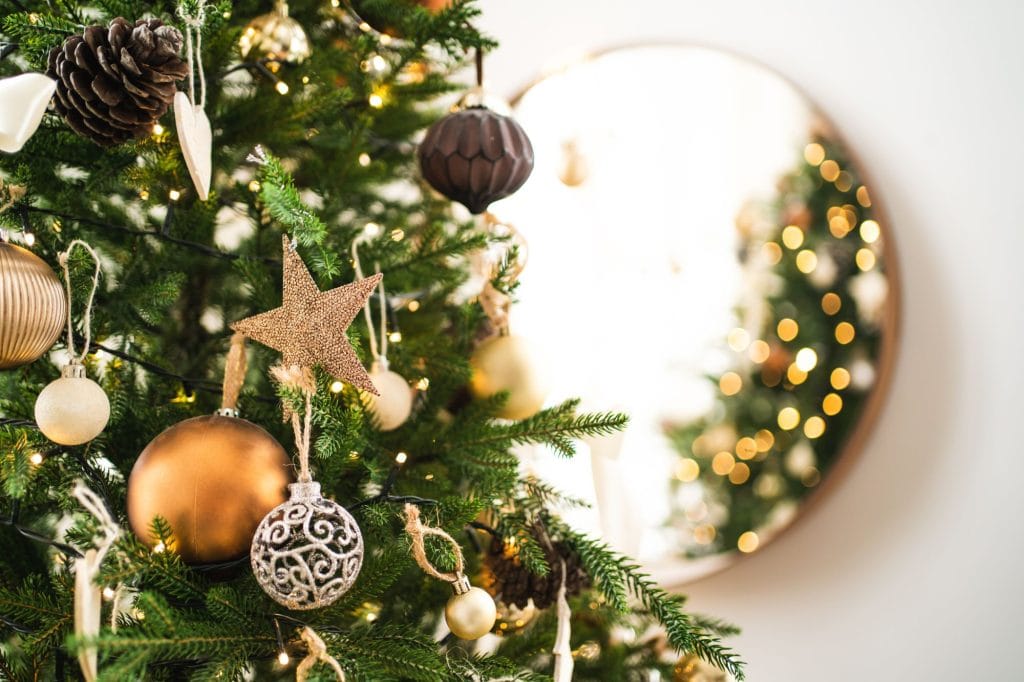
33,308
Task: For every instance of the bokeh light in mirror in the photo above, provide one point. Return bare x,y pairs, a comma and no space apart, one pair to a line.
705,256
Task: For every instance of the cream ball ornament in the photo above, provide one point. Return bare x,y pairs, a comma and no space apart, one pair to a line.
507,363
73,409
471,612
393,406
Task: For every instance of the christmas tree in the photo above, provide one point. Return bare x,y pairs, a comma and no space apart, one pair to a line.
130,547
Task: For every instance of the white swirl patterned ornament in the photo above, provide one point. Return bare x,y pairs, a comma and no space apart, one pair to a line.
307,552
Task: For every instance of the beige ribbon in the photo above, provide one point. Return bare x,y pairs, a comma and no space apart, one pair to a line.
417,533
234,372
88,597
563,649
299,379
317,654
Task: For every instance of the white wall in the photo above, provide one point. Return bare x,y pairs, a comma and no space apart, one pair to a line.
910,569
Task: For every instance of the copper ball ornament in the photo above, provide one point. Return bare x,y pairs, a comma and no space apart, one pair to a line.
476,156
213,479
33,307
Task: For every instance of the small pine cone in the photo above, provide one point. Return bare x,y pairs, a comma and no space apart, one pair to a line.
114,83
510,581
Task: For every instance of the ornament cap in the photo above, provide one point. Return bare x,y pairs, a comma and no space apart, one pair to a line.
228,412
461,584
73,370
304,491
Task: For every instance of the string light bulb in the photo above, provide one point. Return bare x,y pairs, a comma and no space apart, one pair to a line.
35,459
401,458
174,195
281,87
30,239
283,658
336,387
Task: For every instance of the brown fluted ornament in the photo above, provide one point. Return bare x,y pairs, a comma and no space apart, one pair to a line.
33,308
213,479
476,156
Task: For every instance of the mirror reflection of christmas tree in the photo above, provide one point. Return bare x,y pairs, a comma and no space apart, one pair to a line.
803,358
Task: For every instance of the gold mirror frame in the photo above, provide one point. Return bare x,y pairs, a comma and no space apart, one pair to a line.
678,572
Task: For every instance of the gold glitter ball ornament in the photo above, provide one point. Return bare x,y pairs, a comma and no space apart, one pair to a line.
213,479
309,327
73,409
275,36
33,307
507,363
471,611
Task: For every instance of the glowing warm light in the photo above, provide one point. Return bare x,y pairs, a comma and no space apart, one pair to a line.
759,351
30,238
376,101
772,252
372,230
255,186
806,261
844,182
704,534
795,375
863,198
108,593
764,439
792,237
305,80
845,333
814,427
687,470
746,448
395,337
378,63
160,548
723,463
281,87
385,39
158,129
174,195
839,226
738,339
748,542
401,458
423,384
789,418
336,387
364,159
865,259
806,359
397,234
365,27
35,459
840,378
814,154
832,404
282,658
829,170
787,329
870,231
144,194
413,306
831,303
739,474
730,383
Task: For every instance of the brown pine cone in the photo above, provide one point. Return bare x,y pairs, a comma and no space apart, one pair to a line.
114,83
509,581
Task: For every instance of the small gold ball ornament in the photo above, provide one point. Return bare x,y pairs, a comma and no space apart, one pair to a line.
471,612
507,363
73,409
393,406
213,479
33,308
275,36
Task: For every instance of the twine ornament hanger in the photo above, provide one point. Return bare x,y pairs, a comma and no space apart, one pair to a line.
300,379
63,258
380,353
496,304
417,534
234,376
194,55
317,653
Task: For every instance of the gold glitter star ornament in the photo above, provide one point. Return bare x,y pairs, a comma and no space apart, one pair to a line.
309,327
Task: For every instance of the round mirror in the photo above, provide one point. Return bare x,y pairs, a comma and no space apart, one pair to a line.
705,256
